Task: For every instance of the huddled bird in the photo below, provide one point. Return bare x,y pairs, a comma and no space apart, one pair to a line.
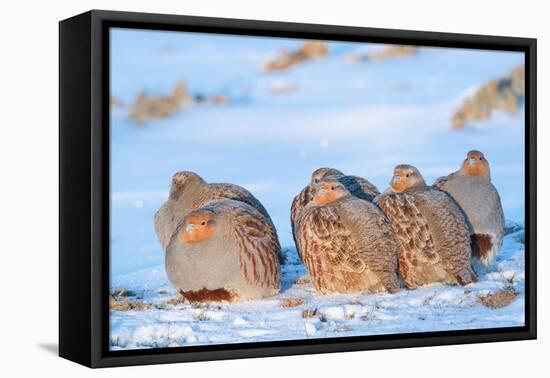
226,250
357,186
347,244
472,189
431,228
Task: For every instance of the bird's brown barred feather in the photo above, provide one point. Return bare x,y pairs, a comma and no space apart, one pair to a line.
410,226
449,227
231,191
432,231
442,181
259,247
298,204
323,237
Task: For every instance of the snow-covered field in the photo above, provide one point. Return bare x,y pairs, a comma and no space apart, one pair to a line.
434,308
361,118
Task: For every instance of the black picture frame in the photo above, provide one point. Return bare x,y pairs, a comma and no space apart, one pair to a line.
84,187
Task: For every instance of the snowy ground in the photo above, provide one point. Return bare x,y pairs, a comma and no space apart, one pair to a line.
361,118
432,308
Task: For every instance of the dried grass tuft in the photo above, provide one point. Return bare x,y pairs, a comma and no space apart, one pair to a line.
292,302
499,298
127,305
309,313
302,281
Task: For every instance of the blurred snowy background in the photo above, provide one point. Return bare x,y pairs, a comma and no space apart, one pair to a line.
268,133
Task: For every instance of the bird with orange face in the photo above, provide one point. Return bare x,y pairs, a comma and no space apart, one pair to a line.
472,189
431,229
347,244
226,250
357,186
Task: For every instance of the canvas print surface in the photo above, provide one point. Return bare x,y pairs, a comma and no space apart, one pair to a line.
266,189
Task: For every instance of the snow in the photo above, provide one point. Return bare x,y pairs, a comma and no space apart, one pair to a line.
361,118
334,313
433,308
310,328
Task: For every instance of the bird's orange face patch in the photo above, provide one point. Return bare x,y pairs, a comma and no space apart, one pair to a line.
475,164
325,193
400,181
197,227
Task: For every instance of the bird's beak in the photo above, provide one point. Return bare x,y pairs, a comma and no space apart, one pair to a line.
472,161
321,192
190,227
396,179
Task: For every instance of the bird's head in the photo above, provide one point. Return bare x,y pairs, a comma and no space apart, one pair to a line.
328,191
321,173
182,180
197,226
404,177
475,164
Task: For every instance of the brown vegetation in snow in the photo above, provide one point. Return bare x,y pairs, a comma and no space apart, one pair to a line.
503,94
302,280
147,107
285,59
293,302
309,313
499,298
127,305
388,53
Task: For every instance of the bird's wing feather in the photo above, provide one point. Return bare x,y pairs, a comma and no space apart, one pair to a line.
322,235
379,246
298,204
449,226
368,187
450,232
357,186
410,226
361,188
259,247
234,192
164,224
442,181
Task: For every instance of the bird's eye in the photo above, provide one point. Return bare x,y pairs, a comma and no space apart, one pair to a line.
480,158
332,187
203,223
408,174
